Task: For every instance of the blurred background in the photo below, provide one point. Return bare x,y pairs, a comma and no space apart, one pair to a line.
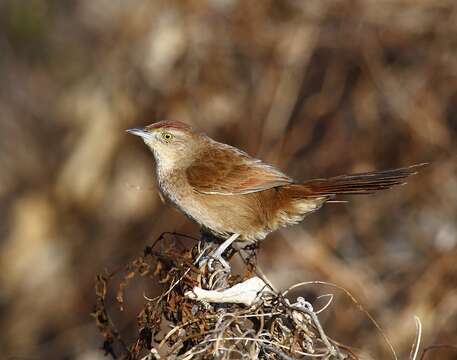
316,87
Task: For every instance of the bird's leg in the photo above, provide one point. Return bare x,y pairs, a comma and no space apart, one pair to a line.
217,254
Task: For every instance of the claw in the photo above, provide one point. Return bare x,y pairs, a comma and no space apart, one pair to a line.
217,255
203,261
222,261
209,260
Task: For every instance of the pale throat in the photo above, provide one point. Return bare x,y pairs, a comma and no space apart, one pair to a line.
169,167
170,176
166,164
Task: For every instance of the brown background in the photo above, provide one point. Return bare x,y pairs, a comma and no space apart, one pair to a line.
315,87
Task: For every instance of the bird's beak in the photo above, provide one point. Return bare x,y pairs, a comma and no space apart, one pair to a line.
138,132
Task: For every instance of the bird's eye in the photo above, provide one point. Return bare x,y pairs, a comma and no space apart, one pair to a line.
166,136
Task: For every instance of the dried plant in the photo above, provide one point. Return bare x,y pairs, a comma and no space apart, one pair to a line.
174,326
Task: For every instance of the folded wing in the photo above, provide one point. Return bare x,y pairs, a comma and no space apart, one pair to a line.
225,170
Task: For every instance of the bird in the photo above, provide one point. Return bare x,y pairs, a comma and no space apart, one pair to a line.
237,197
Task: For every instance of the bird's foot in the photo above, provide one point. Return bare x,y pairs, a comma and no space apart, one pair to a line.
209,262
217,255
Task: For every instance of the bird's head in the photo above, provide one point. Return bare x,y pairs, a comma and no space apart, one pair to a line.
172,142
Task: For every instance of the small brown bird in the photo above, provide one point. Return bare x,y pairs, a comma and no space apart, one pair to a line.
236,196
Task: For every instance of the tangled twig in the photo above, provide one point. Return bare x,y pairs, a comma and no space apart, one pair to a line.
221,323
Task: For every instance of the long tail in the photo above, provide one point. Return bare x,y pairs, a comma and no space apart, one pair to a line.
360,184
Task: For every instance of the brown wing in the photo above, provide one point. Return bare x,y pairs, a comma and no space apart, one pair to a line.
363,183
225,170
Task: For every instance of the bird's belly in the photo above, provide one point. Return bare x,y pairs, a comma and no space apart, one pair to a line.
227,214
215,216
196,207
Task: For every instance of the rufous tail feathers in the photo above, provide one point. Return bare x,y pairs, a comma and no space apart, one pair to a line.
362,183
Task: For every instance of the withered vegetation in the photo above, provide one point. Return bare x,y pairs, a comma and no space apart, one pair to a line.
174,326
